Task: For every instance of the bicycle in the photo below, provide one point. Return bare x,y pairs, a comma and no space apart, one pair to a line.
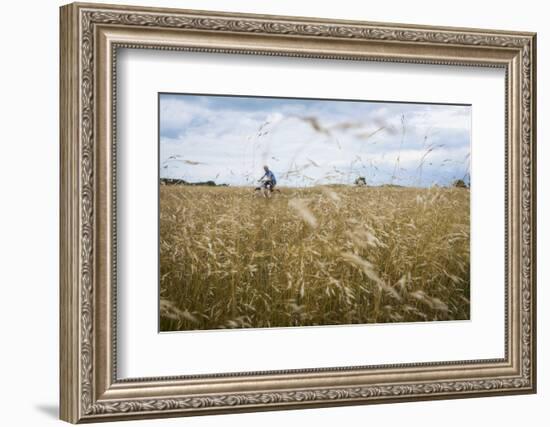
266,189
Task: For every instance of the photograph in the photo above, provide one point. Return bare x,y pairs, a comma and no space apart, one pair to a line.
292,212
264,212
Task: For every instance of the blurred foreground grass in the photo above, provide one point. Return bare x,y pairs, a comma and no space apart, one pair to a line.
312,256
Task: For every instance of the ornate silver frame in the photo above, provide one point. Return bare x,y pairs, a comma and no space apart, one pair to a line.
90,36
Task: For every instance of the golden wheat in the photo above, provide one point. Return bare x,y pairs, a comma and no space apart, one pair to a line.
312,256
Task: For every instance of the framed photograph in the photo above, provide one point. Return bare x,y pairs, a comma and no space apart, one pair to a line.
267,212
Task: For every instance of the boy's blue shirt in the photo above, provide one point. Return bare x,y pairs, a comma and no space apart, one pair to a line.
270,176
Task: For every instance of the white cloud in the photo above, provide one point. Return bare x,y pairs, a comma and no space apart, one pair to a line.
308,142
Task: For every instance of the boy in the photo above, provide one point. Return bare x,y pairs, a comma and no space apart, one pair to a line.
270,180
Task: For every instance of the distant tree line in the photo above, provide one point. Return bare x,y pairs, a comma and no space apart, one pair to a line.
177,181
360,181
457,183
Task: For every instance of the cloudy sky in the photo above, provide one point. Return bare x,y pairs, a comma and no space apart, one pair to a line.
228,139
